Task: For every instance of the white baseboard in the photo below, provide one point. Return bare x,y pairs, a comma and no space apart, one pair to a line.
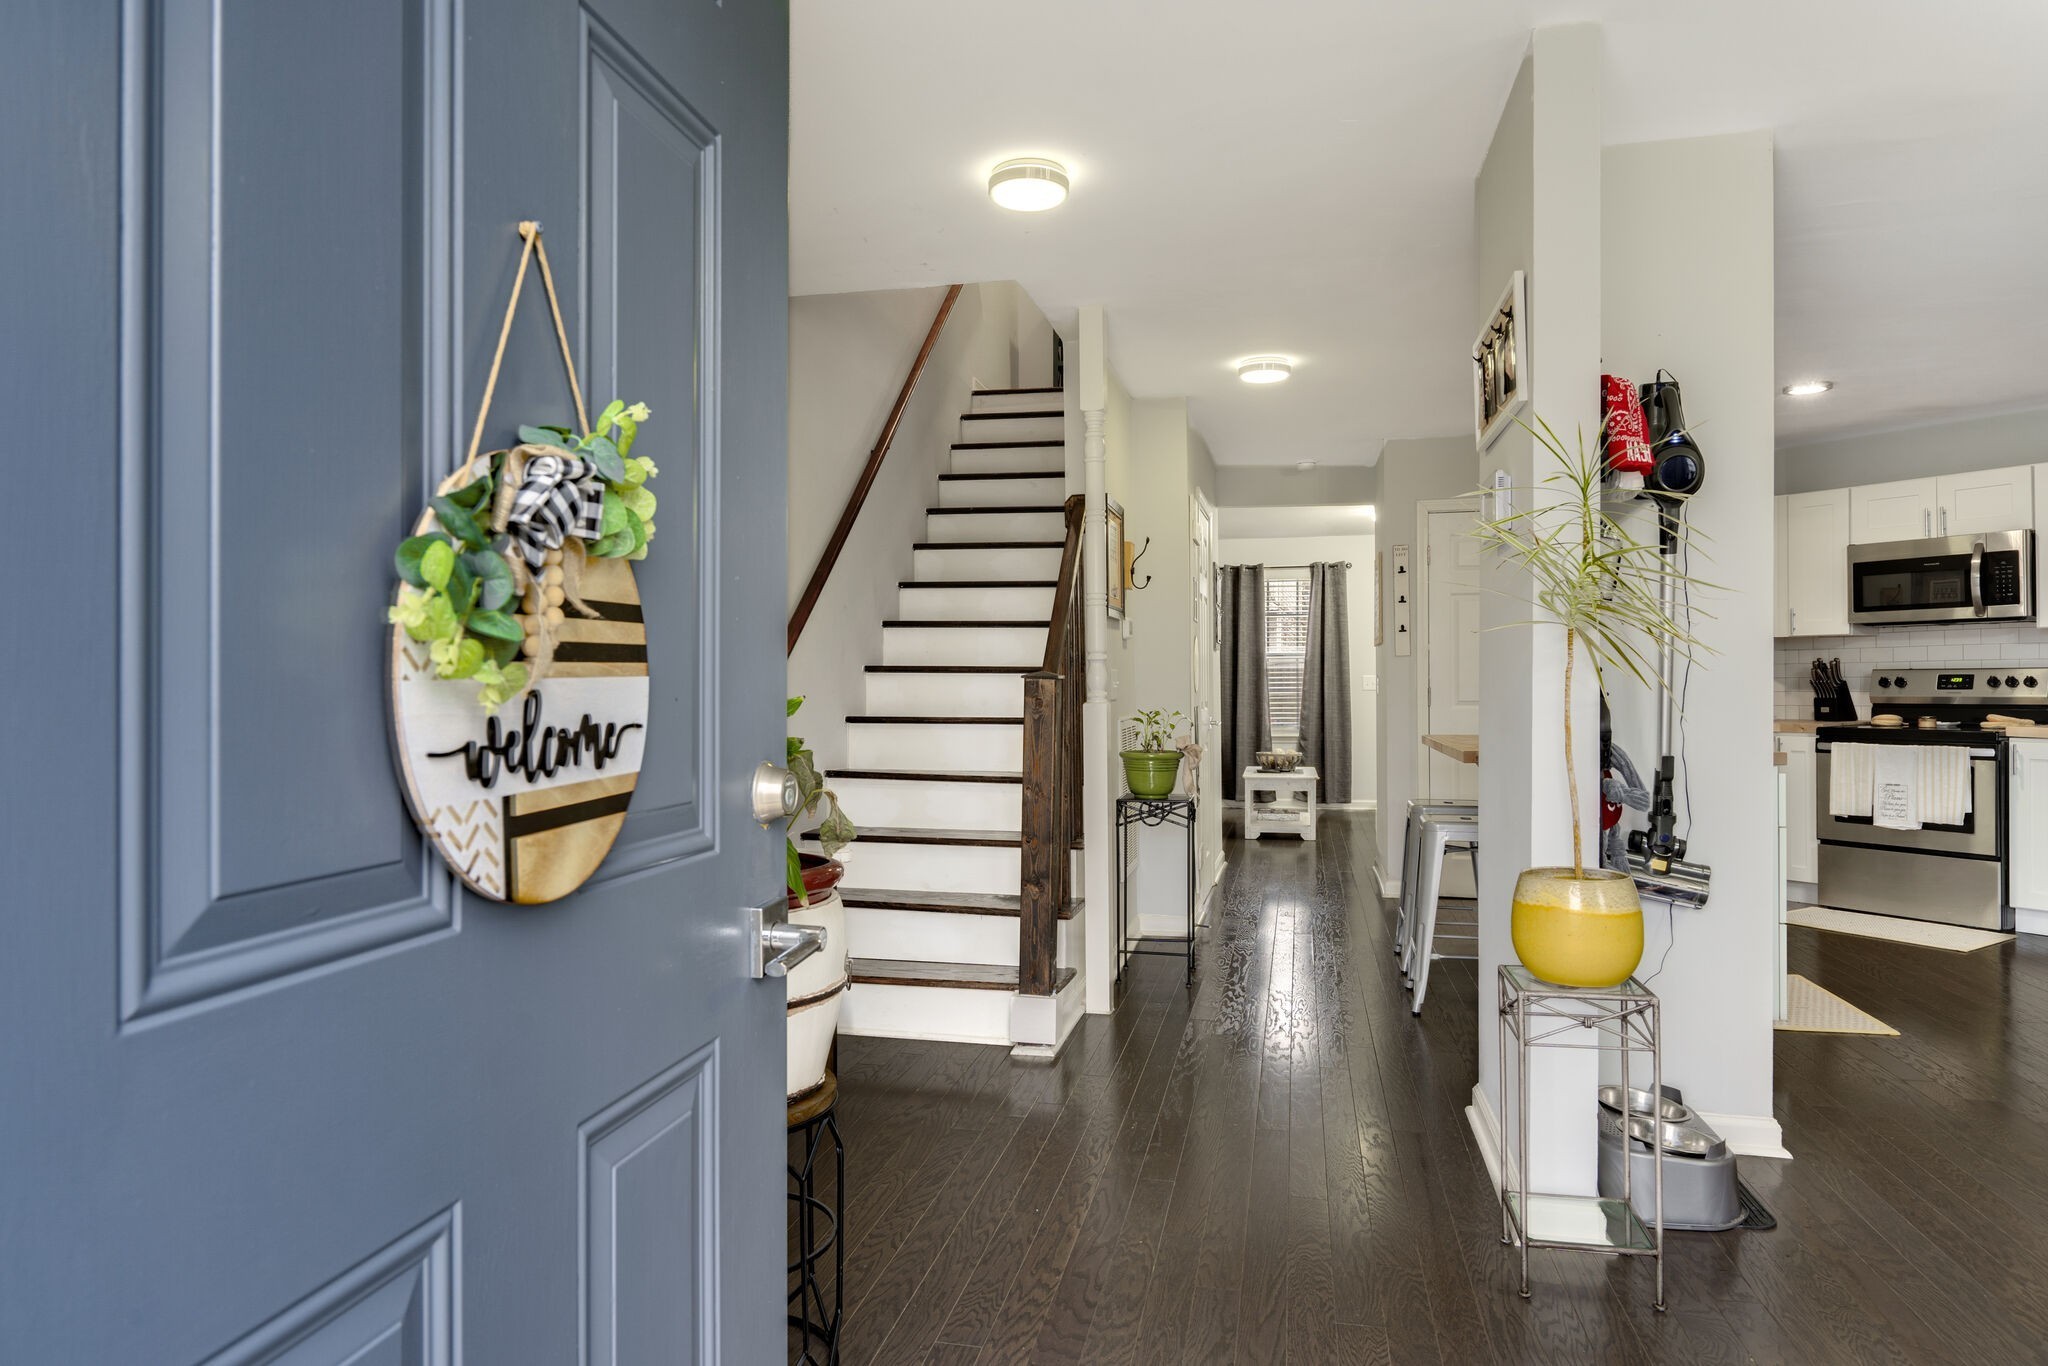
1750,1135
1390,888
1486,1129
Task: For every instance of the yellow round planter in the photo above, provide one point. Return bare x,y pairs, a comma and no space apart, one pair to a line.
1578,932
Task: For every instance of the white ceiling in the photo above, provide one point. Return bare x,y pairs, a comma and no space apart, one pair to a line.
1296,177
1261,524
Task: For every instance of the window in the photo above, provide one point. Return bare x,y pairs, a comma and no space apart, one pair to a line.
1286,648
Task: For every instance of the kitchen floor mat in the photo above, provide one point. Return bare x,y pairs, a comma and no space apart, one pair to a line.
1812,1009
1926,934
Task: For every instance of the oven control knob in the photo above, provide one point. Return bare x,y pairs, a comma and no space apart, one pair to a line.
2032,681
2011,681
1883,682
1899,682
1991,681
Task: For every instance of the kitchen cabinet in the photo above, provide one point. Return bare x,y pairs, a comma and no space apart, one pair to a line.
1816,564
1986,500
1952,505
1802,838
1781,600
2027,824
1904,510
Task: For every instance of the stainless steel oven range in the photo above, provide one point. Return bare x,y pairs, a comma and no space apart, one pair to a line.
1952,873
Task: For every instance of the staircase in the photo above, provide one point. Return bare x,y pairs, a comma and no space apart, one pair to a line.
935,769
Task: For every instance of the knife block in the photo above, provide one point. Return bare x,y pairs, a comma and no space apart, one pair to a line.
1834,707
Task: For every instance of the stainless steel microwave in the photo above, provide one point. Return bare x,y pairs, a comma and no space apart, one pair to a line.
1986,577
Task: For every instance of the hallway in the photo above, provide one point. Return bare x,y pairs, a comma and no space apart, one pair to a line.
1278,1167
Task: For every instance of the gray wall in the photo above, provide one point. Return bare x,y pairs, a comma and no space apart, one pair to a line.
1978,443
1283,486
1409,472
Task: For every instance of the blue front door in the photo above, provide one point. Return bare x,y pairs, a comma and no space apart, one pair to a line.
273,1087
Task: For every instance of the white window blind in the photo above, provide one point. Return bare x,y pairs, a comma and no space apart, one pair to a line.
1286,648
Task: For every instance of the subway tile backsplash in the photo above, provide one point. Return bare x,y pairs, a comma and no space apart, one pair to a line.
1909,646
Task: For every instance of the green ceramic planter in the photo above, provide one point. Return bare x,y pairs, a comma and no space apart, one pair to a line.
1151,773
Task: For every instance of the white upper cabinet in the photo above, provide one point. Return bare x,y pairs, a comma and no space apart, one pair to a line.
1952,505
1908,510
1986,500
1816,576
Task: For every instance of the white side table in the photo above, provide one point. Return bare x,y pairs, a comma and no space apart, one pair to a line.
1279,803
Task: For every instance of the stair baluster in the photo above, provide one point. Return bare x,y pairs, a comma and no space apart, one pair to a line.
1052,776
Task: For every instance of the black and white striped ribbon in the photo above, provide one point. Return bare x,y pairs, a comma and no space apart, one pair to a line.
560,496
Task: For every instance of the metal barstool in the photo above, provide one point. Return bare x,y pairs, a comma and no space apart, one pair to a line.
1440,835
1419,809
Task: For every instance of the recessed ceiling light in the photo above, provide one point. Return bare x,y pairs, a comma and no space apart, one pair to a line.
1264,369
1028,184
1807,388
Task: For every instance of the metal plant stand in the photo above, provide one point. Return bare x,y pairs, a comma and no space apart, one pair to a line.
1539,1014
814,1324
1151,811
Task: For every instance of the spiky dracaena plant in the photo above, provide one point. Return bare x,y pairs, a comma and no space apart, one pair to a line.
1596,580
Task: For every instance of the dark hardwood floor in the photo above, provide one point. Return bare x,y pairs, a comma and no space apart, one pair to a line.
1276,1167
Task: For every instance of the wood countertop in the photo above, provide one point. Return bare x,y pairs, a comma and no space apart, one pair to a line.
1463,748
1800,727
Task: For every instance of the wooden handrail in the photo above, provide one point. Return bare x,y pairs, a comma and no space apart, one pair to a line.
1063,594
859,496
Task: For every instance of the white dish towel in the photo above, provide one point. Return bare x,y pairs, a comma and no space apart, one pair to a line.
1895,787
1945,784
1849,779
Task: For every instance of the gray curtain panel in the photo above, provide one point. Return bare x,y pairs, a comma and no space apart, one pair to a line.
1241,592
1326,682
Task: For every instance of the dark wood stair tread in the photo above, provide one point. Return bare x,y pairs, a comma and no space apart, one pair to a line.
910,834
921,775
956,624
907,972
1005,446
998,511
989,545
977,583
1002,417
1047,389
954,903
934,720
1018,669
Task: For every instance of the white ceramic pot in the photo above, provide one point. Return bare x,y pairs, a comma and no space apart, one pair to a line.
814,988
812,1023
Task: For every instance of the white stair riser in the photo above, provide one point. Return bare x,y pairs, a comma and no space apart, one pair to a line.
951,1013
939,936
922,805
994,526
1011,460
1002,493
1017,403
981,563
945,695
997,749
974,604
931,867
1023,646
1013,428
931,936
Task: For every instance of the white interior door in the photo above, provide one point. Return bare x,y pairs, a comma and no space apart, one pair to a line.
1450,649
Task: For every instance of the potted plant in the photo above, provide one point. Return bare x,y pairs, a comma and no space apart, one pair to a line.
814,986
1581,926
1153,766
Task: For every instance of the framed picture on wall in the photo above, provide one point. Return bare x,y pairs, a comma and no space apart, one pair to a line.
1113,547
1500,364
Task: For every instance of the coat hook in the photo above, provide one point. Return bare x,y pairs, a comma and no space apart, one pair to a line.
1132,571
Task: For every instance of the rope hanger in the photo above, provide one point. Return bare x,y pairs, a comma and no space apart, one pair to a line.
529,230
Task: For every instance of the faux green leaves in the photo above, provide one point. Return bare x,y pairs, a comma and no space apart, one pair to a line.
454,595
628,502
835,831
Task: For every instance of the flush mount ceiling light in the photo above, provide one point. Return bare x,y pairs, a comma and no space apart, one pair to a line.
1264,369
1807,388
1304,466
1028,184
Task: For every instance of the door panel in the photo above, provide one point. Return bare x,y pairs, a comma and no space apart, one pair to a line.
296,1096
1987,500
1904,510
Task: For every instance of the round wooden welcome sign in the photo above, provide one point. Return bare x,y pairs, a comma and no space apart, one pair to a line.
518,654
